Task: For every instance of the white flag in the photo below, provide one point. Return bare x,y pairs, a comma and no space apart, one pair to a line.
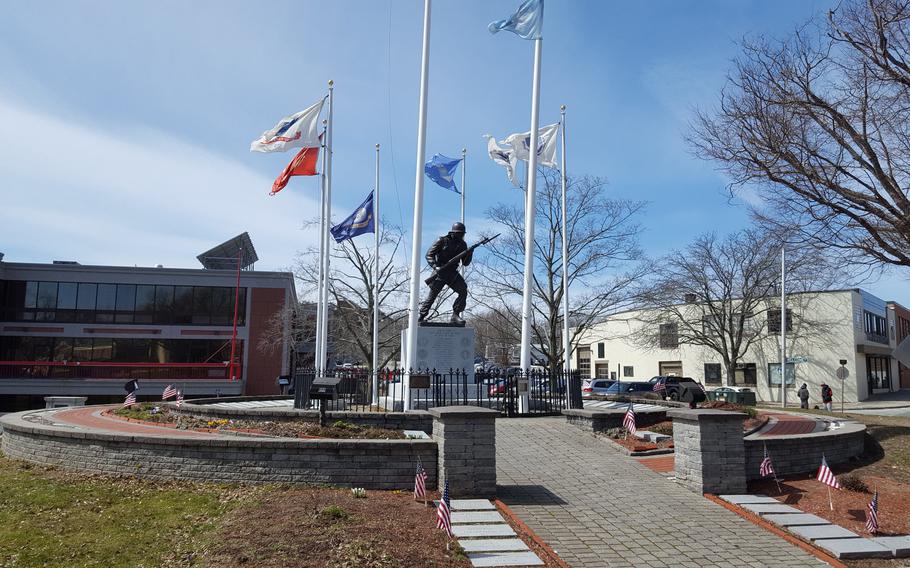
546,145
505,157
300,130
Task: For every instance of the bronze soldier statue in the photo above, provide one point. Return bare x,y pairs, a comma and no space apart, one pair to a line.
445,249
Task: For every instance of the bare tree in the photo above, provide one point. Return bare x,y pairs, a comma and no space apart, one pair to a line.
351,290
602,253
818,124
720,294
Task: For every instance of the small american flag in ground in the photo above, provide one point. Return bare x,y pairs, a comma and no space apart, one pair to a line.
420,483
179,400
826,476
702,387
766,468
130,400
169,391
443,514
872,517
628,421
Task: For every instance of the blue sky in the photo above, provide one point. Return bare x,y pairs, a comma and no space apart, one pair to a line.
126,126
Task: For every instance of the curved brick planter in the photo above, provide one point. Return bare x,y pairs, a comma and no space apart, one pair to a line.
372,464
802,453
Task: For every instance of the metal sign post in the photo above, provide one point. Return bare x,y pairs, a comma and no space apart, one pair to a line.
842,374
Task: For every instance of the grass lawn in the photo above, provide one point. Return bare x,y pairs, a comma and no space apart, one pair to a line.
52,518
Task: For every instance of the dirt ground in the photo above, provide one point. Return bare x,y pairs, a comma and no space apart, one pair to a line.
330,528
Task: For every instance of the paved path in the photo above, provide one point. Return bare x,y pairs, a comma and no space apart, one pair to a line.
597,507
787,424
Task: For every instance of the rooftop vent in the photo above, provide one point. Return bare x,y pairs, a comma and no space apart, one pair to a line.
73,262
224,256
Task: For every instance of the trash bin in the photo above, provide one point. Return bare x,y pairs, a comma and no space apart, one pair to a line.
712,396
747,398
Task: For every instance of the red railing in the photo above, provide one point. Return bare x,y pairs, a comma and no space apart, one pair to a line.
64,370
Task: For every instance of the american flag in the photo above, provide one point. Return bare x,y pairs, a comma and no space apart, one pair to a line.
443,514
659,386
628,421
872,518
702,387
420,483
179,400
766,469
826,476
130,400
169,391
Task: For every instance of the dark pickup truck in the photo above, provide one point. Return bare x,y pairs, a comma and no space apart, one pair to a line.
673,387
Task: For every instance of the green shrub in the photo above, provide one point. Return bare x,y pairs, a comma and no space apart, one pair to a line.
665,428
334,512
853,482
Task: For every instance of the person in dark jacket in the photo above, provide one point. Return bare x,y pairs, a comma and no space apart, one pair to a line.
803,395
443,250
827,396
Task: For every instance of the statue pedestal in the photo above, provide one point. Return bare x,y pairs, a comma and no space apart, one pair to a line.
443,347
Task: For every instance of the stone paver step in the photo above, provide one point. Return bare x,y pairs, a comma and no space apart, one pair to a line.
504,559
500,529
899,545
472,505
743,499
795,519
820,532
467,517
493,545
765,508
847,548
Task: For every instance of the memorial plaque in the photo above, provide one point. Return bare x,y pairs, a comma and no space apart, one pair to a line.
443,348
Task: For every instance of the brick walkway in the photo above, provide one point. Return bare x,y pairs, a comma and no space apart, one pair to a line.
597,507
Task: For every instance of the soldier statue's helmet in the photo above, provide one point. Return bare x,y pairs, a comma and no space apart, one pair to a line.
457,228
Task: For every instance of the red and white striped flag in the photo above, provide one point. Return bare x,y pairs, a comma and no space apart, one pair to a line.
443,514
169,392
420,483
659,386
179,400
766,468
872,517
628,420
130,400
826,476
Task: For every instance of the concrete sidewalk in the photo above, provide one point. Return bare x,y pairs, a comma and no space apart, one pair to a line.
596,507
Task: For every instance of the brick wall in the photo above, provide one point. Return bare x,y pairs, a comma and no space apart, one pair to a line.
263,369
803,454
602,420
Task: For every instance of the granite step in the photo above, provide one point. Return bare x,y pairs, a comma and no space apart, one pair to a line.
743,499
472,505
493,545
848,548
500,529
480,559
821,532
468,517
788,520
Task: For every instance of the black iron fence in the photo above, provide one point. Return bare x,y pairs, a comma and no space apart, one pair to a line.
514,394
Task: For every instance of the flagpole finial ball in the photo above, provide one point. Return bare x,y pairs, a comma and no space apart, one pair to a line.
464,151
331,83
562,108
377,147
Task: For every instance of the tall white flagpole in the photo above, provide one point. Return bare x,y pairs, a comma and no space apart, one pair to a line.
328,222
376,218
464,165
783,331
530,214
317,345
566,347
411,348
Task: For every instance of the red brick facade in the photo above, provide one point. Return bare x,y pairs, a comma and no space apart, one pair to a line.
263,369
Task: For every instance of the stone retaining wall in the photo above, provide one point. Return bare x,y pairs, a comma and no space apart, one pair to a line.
601,420
411,420
803,453
372,464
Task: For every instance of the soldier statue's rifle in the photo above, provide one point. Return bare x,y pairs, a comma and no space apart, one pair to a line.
455,259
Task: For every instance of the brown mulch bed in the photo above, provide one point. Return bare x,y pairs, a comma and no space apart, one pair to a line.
329,528
638,445
811,496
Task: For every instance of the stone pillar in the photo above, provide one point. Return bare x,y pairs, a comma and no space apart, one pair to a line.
710,451
466,438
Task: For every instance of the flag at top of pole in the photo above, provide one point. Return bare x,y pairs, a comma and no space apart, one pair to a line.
357,223
441,169
526,22
299,130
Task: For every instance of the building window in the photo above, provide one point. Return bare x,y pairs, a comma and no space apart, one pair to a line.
745,374
878,372
600,350
712,373
584,362
628,371
669,336
876,328
774,374
774,320
602,371
119,350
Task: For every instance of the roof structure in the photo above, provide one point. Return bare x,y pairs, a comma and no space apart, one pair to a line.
224,256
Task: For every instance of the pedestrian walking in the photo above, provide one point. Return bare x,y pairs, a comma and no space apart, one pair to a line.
827,397
803,395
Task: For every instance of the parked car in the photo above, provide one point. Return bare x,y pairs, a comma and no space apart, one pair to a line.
595,386
497,388
632,388
673,386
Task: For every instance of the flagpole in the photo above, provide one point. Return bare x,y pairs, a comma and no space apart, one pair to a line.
411,351
783,331
464,165
566,347
376,218
530,213
317,345
233,369
328,223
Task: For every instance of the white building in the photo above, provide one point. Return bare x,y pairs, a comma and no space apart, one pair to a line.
850,325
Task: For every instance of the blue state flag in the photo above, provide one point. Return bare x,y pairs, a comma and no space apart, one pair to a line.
526,22
359,222
441,169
